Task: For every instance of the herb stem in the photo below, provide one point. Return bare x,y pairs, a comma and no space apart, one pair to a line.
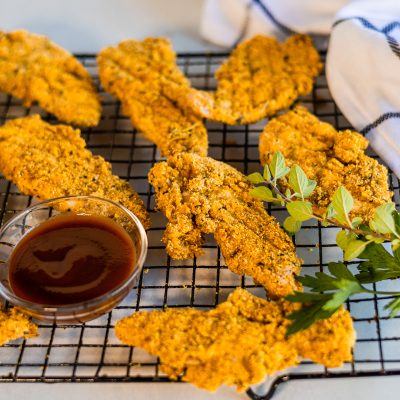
380,292
274,187
328,291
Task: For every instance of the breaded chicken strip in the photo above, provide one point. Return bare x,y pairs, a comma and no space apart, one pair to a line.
260,77
33,68
238,343
332,158
48,161
15,325
200,195
137,72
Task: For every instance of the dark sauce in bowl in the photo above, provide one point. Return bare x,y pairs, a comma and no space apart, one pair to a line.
71,258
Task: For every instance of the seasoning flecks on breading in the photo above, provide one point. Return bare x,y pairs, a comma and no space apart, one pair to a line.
33,68
137,72
200,195
48,161
332,158
260,77
15,325
238,343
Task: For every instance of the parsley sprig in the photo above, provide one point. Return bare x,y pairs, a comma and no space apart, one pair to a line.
326,293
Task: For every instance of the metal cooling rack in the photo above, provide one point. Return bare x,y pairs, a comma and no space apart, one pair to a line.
91,352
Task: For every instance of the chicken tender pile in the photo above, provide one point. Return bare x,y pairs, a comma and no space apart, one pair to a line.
138,74
261,77
200,195
48,161
33,68
332,158
15,325
238,342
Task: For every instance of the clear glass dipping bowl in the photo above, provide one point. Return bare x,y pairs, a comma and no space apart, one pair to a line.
13,231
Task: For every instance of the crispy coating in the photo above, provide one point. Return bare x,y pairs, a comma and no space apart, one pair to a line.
137,72
33,68
48,161
15,325
332,158
200,195
261,77
238,342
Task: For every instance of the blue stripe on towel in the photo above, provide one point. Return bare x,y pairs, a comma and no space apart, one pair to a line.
392,42
390,26
379,121
261,5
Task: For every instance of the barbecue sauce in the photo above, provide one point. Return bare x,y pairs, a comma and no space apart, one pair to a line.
70,259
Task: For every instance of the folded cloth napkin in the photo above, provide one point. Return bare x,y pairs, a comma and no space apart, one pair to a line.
363,61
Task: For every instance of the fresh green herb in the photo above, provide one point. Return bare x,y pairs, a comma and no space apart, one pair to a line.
291,224
379,264
326,293
278,166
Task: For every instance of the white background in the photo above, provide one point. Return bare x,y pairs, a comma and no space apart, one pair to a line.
88,25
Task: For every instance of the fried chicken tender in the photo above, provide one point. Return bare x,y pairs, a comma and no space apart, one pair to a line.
15,325
238,342
332,158
33,68
261,77
200,195
48,161
137,72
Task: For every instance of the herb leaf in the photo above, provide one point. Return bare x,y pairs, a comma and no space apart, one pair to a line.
380,265
316,306
299,182
263,193
343,238
308,315
328,291
346,289
393,307
330,212
353,249
319,283
310,188
342,203
396,249
356,221
267,173
278,166
384,220
396,217
255,178
339,270
300,210
291,225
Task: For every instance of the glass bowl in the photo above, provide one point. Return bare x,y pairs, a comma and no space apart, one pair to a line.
15,229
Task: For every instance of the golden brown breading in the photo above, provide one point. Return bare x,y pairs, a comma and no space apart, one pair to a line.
261,77
238,342
137,72
15,325
332,158
48,161
200,195
33,68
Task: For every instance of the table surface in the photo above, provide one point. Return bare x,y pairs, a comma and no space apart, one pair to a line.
387,388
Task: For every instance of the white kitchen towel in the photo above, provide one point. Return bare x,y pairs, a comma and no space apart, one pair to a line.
363,61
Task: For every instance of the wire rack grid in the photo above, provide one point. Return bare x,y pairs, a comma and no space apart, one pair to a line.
91,352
